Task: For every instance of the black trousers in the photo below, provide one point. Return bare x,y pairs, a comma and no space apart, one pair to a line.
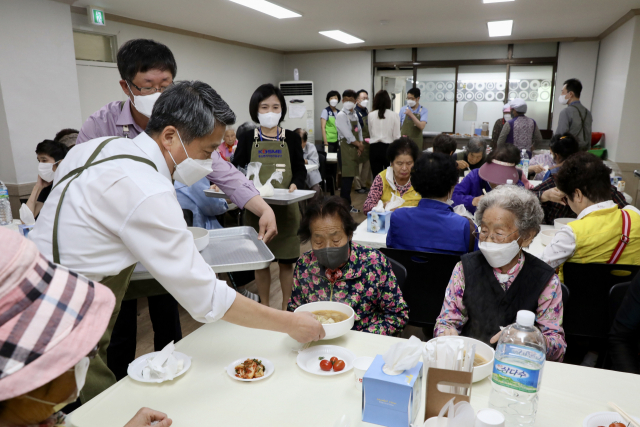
331,169
347,182
378,158
163,310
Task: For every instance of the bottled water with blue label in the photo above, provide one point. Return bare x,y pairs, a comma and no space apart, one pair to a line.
524,163
5,207
517,371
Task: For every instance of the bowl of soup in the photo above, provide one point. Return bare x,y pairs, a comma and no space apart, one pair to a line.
483,362
336,318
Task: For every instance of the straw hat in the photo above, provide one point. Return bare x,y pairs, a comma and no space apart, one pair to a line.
50,317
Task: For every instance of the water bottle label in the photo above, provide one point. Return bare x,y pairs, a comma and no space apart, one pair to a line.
4,193
518,377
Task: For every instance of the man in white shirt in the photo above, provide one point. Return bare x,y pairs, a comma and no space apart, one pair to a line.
105,214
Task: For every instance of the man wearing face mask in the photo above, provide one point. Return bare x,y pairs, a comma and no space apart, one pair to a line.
360,181
115,205
575,119
351,143
413,117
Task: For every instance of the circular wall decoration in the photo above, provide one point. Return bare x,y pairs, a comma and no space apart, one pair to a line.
500,96
449,96
479,96
535,84
449,85
439,96
491,85
469,86
500,85
460,96
468,96
545,84
439,86
524,95
524,84
421,86
533,95
480,86
429,96
513,85
430,86
544,95
489,96
461,86
512,95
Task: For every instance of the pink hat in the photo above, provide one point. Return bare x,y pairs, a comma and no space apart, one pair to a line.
50,317
498,172
507,108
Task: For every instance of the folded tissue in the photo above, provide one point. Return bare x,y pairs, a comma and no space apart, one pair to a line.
267,189
163,366
402,355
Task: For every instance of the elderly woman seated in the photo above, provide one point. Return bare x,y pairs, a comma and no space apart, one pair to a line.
500,168
473,156
440,229
337,269
396,179
52,322
489,287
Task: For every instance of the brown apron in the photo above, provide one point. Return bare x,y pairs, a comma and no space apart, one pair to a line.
364,158
410,129
349,154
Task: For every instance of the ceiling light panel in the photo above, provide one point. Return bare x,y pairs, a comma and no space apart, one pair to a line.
495,1
268,8
500,28
341,36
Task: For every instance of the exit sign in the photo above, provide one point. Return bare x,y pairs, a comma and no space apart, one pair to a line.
96,15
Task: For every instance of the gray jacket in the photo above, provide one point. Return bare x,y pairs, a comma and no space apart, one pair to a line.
577,120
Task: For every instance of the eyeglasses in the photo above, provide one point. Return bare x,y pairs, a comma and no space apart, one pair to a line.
151,90
483,235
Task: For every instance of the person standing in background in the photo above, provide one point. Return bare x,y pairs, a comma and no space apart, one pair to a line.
413,117
575,119
330,134
229,144
360,181
497,127
521,131
351,145
384,128
310,155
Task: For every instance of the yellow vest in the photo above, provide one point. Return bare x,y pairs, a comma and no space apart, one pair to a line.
411,197
598,234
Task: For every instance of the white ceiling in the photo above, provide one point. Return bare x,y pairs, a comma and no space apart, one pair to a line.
409,21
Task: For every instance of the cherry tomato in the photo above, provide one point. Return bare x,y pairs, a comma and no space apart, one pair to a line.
325,365
338,365
334,359
617,425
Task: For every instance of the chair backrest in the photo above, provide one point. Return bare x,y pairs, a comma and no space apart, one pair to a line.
427,278
616,296
188,217
590,284
399,271
565,294
322,156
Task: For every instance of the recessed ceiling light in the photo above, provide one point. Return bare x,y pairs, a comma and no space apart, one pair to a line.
500,28
495,1
268,8
341,36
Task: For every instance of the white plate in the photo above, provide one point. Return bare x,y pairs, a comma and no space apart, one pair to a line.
135,368
309,361
603,419
268,369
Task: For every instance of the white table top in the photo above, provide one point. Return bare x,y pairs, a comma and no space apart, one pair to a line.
312,167
332,157
205,395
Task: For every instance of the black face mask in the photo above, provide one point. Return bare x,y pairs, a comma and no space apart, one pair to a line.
332,257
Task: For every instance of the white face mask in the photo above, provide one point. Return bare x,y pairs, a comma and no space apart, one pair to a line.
507,117
269,120
499,254
562,100
190,170
80,371
365,103
348,105
333,102
411,103
45,171
144,104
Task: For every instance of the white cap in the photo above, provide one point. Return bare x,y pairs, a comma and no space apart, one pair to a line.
525,318
489,418
519,105
509,182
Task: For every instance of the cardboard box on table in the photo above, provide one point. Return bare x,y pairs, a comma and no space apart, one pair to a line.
436,399
391,400
378,222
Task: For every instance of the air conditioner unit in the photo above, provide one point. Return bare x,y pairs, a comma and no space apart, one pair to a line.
300,108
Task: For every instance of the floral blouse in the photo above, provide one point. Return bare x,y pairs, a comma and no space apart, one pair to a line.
548,315
368,285
375,192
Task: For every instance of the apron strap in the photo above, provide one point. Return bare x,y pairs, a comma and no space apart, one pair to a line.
624,239
582,119
77,172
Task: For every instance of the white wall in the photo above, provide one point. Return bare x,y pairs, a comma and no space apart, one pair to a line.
576,60
38,82
628,147
331,71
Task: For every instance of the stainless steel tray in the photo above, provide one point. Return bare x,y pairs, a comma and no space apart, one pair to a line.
236,249
281,196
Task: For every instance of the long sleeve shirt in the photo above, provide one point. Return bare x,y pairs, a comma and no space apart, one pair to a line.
384,130
577,120
121,212
111,120
343,124
310,153
548,315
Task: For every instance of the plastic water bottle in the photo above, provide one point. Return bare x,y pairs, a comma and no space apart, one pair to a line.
517,371
524,163
5,207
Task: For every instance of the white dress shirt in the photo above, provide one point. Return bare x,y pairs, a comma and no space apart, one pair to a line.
384,130
563,245
122,211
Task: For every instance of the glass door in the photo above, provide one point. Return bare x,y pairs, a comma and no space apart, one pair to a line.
438,94
533,83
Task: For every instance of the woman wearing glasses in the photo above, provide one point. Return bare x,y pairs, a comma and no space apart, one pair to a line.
501,278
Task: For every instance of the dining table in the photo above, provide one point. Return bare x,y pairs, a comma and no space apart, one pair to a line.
205,395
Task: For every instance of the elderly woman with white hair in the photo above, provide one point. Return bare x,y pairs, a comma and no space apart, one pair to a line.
505,278
521,131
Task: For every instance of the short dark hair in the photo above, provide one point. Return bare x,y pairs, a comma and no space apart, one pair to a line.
141,55
349,93
361,91
303,134
329,206
333,93
245,127
564,145
434,174
444,143
63,133
403,145
263,92
381,103
414,91
505,153
586,172
193,107
54,149
575,86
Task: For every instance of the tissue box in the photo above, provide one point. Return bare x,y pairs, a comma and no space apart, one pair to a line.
391,400
378,222
25,229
